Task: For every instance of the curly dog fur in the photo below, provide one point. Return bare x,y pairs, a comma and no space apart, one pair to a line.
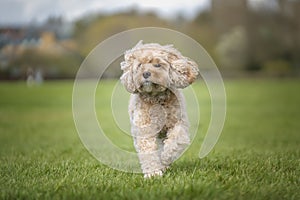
159,124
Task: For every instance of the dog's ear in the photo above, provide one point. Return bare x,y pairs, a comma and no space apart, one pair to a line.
183,71
127,76
127,67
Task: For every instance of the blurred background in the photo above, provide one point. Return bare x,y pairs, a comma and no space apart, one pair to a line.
48,39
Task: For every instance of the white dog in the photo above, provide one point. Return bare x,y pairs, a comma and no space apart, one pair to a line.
159,123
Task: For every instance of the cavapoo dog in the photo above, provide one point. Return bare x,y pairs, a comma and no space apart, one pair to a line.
159,124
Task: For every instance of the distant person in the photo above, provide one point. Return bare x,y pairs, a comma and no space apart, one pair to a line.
39,77
30,77
34,77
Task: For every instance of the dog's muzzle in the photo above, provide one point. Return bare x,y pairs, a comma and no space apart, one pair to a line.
152,88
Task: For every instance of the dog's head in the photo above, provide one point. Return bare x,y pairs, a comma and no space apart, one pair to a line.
153,68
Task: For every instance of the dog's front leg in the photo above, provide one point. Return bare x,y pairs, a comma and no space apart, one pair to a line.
146,123
149,156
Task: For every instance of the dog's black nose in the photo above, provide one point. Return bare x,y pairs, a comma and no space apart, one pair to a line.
146,74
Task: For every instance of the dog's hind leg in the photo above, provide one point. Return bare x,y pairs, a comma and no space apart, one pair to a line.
174,145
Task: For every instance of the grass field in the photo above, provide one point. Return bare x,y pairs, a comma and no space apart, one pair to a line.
257,156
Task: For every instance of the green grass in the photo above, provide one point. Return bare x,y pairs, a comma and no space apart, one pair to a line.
257,156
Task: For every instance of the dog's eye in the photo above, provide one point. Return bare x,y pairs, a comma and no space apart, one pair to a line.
157,65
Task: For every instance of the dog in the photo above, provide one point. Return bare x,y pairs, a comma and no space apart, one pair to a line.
154,75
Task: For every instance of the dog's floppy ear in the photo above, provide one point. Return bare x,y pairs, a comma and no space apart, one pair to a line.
127,76
183,71
127,67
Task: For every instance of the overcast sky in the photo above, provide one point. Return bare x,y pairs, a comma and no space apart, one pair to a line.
20,11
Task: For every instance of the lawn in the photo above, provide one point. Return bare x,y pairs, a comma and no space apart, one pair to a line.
257,156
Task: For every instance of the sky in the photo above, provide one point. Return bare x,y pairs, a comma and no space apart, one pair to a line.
14,12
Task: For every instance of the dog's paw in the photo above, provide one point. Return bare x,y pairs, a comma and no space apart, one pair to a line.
153,174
